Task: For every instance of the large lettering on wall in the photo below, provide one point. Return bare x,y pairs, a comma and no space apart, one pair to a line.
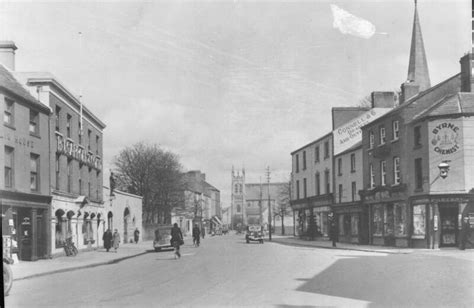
350,133
69,148
444,138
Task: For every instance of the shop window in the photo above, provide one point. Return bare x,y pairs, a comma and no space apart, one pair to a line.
419,221
400,219
377,220
355,224
61,230
9,167
324,224
87,233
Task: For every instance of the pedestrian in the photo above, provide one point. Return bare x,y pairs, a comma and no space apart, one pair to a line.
203,232
176,240
107,238
116,240
196,235
465,233
136,235
333,232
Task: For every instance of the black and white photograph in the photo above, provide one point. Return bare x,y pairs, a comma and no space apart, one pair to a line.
237,153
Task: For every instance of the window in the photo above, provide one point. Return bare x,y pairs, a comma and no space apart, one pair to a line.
383,173
418,174
9,164
382,135
98,185
297,163
395,130
34,170
340,193
304,160
68,125
34,124
89,136
353,162
353,191
372,176
396,170
57,168
419,221
236,190
339,166
316,154
57,115
8,114
80,186
326,149
297,189
89,184
400,219
79,133
371,140
318,184
304,188
69,175
97,143
326,182
417,136
377,220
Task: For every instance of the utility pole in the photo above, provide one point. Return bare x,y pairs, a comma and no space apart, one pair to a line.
269,207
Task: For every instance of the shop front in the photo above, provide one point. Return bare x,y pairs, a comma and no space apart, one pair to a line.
442,221
311,217
352,223
25,219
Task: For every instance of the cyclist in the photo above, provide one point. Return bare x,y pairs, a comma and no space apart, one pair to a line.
196,235
176,239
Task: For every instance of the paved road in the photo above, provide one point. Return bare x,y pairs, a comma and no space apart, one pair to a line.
225,271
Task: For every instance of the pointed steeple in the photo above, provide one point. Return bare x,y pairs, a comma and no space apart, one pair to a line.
418,66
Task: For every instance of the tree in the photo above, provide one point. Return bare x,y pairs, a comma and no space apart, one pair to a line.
153,173
283,208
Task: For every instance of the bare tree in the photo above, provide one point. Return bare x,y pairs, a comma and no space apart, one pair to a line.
149,171
282,207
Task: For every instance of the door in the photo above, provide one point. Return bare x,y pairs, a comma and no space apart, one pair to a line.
389,225
449,226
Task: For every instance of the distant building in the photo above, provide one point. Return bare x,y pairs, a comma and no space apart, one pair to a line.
24,183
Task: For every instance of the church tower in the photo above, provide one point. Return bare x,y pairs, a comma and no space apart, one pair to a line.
238,199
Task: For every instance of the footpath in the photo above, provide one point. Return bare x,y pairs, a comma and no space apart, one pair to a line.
87,259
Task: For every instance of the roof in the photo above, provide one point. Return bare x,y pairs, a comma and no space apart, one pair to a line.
312,142
456,104
31,78
260,191
10,84
352,148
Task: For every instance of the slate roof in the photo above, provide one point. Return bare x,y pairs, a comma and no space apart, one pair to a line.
10,84
456,104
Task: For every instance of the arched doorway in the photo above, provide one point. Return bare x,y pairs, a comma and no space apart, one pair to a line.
110,220
126,220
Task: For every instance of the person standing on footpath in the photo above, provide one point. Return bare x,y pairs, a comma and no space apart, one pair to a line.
196,235
176,240
136,235
107,238
116,240
332,229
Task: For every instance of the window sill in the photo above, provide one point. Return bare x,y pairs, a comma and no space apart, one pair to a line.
36,135
396,185
395,140
381,145
9,126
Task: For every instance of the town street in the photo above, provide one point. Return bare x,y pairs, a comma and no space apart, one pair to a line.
225,271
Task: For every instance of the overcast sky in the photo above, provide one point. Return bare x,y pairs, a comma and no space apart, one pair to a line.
225,83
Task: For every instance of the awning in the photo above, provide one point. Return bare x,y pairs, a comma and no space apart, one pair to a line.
216,220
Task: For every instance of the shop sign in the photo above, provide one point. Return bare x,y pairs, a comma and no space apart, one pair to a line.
21,141
71,149
445,137
350,133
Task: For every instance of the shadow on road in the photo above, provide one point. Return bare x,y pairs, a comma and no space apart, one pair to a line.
397,281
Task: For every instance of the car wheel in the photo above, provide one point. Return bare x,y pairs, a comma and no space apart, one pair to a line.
157,249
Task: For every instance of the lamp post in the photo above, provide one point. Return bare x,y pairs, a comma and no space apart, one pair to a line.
269,207
443,173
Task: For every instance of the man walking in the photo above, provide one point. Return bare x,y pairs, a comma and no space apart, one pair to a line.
196,235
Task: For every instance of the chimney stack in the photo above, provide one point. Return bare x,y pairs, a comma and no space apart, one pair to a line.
467,81
383,99
7,54
409,89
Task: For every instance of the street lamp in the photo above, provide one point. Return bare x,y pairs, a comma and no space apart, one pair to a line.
443,169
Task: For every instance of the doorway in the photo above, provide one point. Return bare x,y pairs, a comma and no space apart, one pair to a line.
449,226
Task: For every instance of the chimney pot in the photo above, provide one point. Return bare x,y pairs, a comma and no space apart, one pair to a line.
7,54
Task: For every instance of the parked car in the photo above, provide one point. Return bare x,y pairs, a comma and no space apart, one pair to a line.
254,234
162,238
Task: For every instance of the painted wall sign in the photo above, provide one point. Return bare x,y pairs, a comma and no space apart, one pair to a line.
350,133
73,150
445,138
21,141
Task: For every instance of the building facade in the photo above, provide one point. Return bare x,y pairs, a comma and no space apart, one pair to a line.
24,184
76,137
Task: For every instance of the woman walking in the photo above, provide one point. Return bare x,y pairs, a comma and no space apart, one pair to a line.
107,238
116,240
176,240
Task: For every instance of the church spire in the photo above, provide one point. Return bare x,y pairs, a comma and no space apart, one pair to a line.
418,66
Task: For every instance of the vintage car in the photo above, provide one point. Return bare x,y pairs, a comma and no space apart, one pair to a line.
254,233
162,238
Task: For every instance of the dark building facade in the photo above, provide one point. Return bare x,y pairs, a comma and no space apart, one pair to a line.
24,185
